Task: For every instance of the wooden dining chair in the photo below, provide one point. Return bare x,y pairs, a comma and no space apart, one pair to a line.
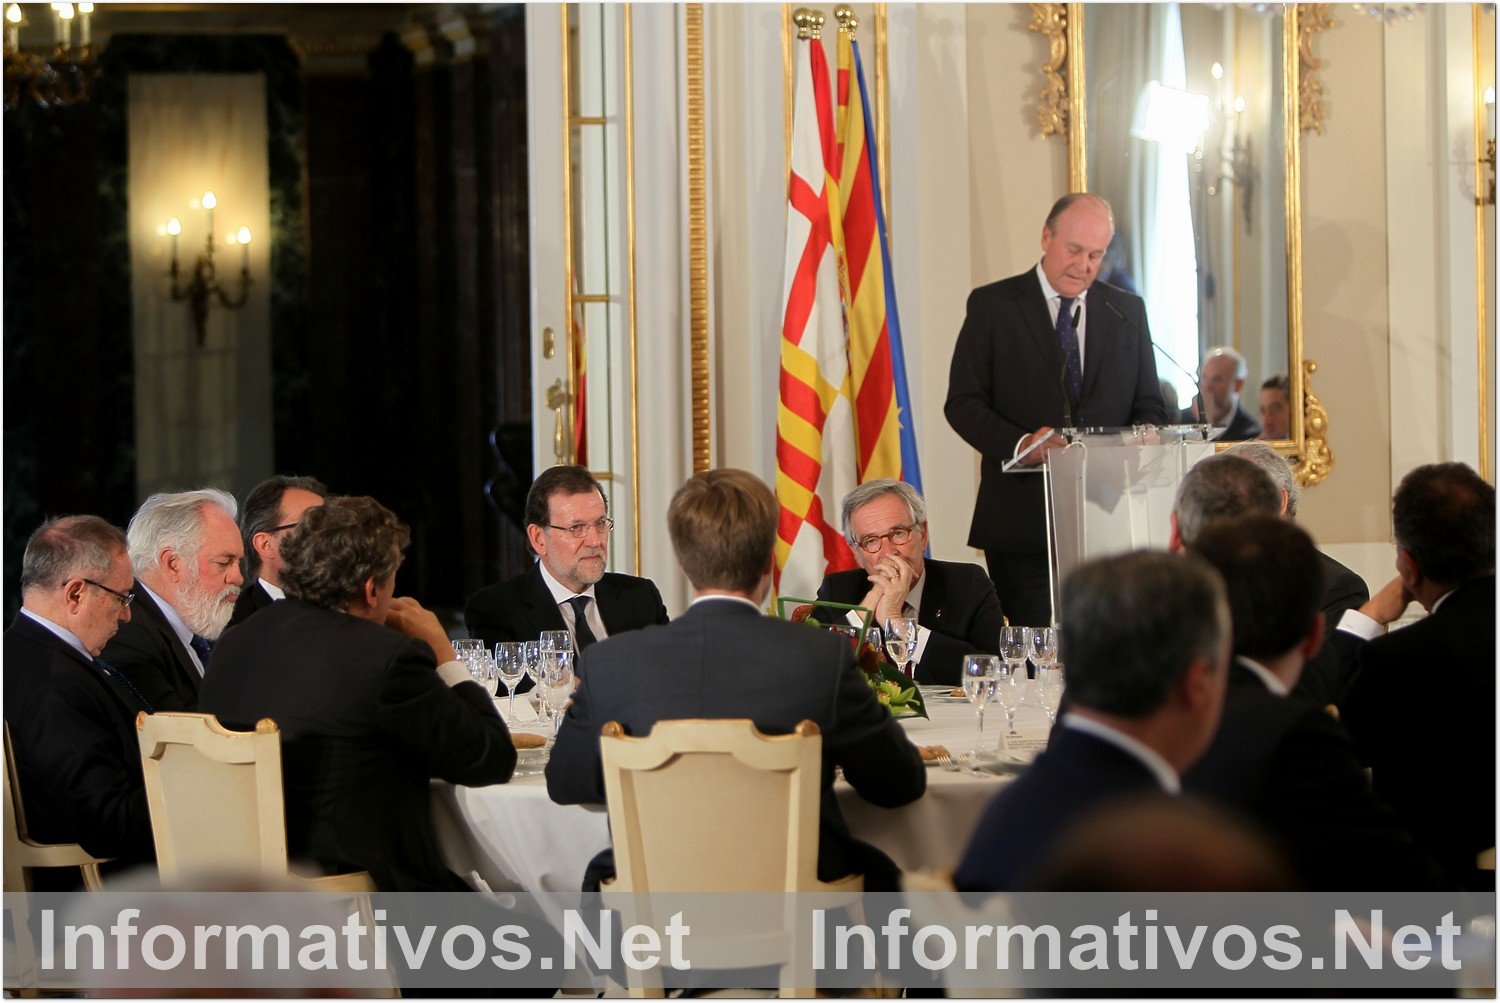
715,805
23,855
216,801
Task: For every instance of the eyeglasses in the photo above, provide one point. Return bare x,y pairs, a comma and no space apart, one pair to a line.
870,544
285,525
581,529
124,598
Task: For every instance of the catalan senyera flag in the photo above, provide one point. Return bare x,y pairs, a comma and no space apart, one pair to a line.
815,464
885,436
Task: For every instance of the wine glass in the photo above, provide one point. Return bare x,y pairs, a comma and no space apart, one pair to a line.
979,673
1015,644
482,667
510,663
1049,679
556,640
1010,680
1043,647
531,662
465,648
901,640
556,686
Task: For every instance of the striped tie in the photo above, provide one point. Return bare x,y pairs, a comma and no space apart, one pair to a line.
124,680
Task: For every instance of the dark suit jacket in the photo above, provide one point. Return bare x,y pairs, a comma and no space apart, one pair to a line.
1289,765
77,756
1241,425
365,723
148,652
252,599
1006,382
1421,711
1326,675
1075,774
958,605
722,659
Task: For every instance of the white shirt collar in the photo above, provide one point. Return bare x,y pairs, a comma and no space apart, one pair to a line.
716,598
1148,757
560,592
271,590
174,620
1442,599
1265,675
63,634
1053,295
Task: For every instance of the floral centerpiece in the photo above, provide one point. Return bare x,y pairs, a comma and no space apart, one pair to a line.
898,693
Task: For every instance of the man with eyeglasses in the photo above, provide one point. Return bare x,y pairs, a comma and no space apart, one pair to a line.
70,714
957,612
568,524
272,508
186,551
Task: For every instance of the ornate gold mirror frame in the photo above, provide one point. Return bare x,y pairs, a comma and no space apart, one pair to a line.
1061,112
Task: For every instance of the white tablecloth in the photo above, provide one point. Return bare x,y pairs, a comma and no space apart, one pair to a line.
515,839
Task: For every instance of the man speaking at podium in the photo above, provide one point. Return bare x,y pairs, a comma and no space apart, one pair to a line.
1043,350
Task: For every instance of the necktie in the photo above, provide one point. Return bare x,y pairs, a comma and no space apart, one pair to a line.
203,648
124,680
583,636
1067,337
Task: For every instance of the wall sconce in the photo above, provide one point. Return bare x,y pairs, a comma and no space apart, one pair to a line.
53,77
205,286
1489,149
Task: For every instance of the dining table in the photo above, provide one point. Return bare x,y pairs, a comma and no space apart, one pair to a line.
512,837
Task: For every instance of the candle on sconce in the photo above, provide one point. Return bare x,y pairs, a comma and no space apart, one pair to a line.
174,229
13,22
208,202
244,240
65,25
85,14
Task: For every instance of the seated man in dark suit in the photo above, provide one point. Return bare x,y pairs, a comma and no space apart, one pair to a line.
1327,673
1278,756
1220,379
72,716
1428,690
1145,650
369,698
273,507
725,659
186,552
568,524
885,522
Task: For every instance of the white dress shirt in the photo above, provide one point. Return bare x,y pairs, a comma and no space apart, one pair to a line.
63,634
183,632
561,594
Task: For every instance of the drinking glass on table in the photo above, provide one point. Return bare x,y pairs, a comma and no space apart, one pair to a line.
901,640
556,684
482,667
1010,690
979,674
465,648
510,665
1049,680
556,640
1042,647
1015,645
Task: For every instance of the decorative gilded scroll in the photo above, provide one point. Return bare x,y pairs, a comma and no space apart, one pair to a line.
1312,110
1051,21
1317,459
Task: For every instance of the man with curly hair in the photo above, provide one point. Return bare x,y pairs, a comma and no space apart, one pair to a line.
370,700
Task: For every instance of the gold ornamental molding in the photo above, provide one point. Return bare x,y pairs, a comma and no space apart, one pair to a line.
1317,459
1050,20
1312,109
697,239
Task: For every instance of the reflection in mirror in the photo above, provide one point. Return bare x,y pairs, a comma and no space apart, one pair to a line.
1185,138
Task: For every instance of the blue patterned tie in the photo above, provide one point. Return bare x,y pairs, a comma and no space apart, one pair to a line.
1067,337
124,680
203,648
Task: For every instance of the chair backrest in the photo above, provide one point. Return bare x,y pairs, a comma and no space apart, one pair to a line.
713,805
215,795
15,823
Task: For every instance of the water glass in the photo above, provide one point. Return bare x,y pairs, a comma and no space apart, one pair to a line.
556,685
482,668
1010,690
1015,645
556,640
510,665
901,640
1043,647
1049,680
979,674
465,648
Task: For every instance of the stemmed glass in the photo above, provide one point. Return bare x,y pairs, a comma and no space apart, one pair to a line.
1010,683
1042,647
1015,645
531,661
979,674
465,648
1049,680
510,663
556,640
901,640
482,667
556,685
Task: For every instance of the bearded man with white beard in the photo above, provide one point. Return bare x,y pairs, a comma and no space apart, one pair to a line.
185,549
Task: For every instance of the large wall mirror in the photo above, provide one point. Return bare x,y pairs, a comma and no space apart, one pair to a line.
1185,116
